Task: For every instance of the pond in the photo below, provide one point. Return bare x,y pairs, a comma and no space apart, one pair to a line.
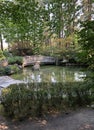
52,74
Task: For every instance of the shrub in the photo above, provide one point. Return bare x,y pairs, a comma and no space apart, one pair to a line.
15,68
37,99
2,70
8,70
15,101
15,60
7,53
5,70
2,57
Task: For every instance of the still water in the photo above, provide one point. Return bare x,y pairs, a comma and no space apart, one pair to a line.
52,74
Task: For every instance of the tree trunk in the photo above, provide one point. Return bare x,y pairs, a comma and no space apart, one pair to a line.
89,9
1,41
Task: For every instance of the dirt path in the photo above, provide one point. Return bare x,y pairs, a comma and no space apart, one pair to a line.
82,119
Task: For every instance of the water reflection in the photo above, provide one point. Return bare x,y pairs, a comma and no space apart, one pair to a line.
79,76
53,78
51,74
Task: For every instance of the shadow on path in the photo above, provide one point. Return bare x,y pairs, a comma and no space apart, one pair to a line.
82,119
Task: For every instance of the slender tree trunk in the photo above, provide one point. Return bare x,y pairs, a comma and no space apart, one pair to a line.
89,9
1,41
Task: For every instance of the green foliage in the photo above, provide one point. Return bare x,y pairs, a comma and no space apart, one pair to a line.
86,40
81,57
37,23
5,70
8,70
14,68
36,99
17,98
17,25
11,69
2,57
51,50
6,53
2,70
15,60
87,35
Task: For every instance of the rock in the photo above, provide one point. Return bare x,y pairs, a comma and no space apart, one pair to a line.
3,63
92,106
36,66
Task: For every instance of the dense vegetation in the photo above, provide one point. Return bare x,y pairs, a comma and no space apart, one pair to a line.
60,28
39,99
86,40
30,24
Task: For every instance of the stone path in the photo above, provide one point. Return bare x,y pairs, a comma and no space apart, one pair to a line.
5,81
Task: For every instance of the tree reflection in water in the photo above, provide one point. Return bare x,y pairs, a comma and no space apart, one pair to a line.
52,74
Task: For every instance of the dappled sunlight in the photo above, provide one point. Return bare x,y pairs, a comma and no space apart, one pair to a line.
42,122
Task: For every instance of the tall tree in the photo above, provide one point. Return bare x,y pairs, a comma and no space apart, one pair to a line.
63,16
23,21
86,40
31,20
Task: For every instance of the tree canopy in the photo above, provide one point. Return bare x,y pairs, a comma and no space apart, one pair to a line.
86,40
35,22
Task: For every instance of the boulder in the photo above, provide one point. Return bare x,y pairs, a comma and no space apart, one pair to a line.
3,63
36,66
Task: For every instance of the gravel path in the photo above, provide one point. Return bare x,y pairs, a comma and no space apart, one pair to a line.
82,119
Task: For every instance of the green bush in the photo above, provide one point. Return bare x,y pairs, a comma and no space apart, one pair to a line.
5,70
7,53
2,57
37,99
15,60
2,70
8,70
15,101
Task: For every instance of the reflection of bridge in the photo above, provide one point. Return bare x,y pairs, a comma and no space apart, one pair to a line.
30,60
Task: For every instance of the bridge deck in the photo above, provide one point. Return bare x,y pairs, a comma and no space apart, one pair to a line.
29,60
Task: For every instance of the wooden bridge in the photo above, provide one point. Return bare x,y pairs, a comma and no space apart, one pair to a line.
31,60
